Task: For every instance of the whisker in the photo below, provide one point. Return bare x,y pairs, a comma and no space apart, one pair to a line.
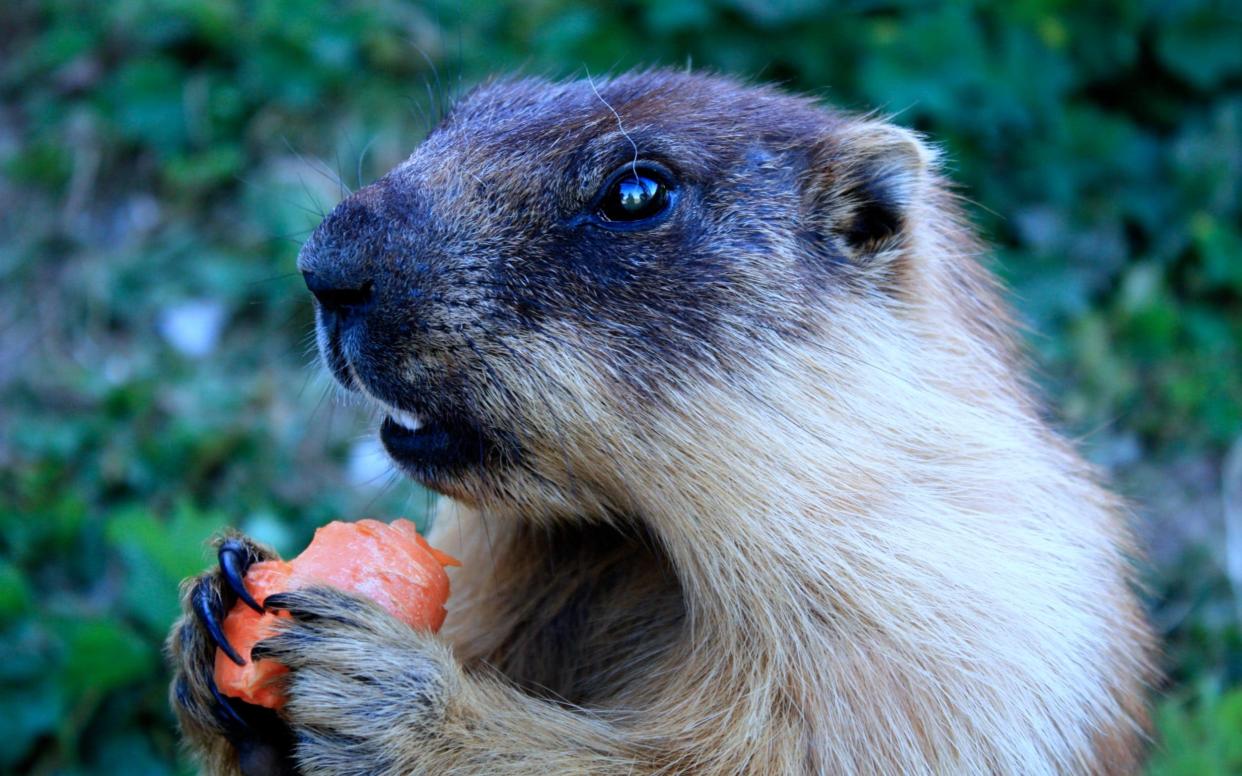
323,396
620,125
362,157
315,166
391,480
340,182
272,279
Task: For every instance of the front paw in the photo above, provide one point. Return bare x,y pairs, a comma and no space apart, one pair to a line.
363,686
228,735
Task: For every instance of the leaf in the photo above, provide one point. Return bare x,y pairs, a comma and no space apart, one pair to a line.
131,755
1203,46
145,101
15,596
158,554
102,654
30,712
1220,247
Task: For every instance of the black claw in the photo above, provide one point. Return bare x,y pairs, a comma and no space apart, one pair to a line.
263,741
294,602
260,650
277,601
315,605
234,560
225,714
207,606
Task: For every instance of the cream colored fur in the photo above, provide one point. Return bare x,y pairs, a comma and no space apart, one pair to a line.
891,564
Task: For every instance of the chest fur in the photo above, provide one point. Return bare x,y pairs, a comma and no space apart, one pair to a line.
582,614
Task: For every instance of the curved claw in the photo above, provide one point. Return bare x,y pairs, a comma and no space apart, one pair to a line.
263,742
207,606
234,560
314,605
224,712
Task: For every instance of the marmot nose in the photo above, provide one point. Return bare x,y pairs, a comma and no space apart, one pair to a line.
339,296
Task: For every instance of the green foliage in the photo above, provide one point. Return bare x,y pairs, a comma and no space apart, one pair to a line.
1200,735
159,165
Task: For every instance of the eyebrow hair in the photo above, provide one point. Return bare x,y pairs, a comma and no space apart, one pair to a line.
620,124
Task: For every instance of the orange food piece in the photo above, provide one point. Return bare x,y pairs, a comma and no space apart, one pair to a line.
386,562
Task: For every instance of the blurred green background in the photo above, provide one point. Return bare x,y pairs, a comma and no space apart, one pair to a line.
161,160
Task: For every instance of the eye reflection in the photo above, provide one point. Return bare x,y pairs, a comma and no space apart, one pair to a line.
634,196
635,193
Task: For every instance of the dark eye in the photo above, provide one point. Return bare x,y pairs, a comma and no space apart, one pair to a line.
635,194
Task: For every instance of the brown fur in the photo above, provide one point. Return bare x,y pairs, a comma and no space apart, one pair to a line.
765,490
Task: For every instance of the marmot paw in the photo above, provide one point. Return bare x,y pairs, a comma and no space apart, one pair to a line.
228,733
362,684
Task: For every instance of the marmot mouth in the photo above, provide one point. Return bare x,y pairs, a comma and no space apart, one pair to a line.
431,450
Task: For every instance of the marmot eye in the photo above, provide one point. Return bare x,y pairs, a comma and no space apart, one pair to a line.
635,194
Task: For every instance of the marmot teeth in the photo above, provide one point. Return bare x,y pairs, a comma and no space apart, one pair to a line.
407,420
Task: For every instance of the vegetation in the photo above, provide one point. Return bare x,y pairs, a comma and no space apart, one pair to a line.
161,159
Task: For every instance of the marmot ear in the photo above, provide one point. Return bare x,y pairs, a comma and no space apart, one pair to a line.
864,178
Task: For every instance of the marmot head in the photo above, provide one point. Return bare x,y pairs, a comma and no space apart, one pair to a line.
557,258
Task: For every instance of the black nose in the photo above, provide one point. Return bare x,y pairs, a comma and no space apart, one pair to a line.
340,297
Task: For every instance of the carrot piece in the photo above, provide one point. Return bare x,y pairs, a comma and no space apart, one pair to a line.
386,562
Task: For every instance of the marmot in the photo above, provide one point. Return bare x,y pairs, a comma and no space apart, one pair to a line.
738,454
